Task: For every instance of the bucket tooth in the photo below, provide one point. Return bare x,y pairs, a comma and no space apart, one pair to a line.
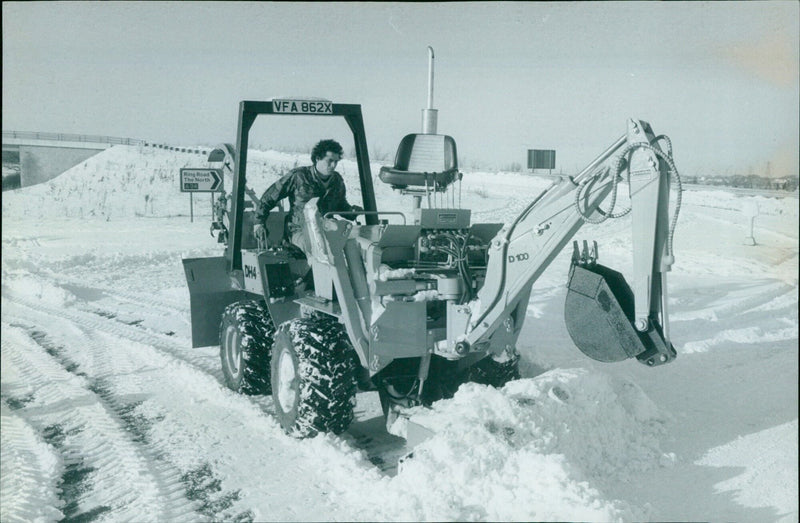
593,253
576,252
586,256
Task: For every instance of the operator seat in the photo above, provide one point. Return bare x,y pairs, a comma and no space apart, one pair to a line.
423,160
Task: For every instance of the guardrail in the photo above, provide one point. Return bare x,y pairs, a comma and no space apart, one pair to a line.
63,137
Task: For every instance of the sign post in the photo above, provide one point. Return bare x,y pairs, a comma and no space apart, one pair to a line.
750,210
200,180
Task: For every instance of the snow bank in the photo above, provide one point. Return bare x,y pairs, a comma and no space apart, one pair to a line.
538,449
128,181
725,199
26,286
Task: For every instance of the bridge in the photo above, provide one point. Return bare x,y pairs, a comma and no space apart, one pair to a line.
43,156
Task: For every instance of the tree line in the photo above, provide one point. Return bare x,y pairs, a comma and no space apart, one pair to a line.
747,181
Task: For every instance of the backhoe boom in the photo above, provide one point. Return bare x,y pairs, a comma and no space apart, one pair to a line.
521,251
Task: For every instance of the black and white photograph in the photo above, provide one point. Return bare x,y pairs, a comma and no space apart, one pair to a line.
399,261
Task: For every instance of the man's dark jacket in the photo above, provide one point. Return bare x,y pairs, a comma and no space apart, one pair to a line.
301,185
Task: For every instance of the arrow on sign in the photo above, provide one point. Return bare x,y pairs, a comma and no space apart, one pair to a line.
217,180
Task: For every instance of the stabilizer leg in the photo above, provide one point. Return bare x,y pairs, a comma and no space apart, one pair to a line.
210,291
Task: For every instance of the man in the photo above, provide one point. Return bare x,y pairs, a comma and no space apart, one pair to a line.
319,180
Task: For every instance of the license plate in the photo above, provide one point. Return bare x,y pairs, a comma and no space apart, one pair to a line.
302,106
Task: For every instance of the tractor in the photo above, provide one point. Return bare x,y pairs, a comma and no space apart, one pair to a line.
415,309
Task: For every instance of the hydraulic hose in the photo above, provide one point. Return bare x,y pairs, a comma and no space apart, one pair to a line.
619,166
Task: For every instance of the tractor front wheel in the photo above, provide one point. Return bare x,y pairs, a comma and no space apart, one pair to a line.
245,342
313,376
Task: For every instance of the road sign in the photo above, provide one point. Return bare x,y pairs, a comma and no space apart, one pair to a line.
541,159
201,180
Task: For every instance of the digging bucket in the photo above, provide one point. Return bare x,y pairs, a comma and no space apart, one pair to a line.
599,314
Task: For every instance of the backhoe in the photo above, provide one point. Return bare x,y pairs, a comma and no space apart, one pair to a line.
417,308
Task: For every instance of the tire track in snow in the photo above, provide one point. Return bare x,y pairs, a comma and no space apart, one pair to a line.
30,493
118,383
91,272
206,431
107,470
89,292
120,378
741,336
750,296
137,298
94,322
770,305
712,303
370,436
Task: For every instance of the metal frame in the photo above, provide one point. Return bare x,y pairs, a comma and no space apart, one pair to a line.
248,112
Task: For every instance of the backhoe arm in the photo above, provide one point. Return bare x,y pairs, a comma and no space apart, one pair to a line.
609,323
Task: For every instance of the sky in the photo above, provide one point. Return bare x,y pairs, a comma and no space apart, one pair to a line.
719,78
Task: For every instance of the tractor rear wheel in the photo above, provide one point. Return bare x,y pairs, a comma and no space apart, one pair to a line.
245,342
313,376
490,371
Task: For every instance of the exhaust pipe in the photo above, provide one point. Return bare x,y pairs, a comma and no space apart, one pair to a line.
429,115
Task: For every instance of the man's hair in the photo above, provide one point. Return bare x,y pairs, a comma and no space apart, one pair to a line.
323,146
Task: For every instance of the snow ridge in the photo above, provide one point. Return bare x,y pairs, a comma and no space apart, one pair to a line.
31,472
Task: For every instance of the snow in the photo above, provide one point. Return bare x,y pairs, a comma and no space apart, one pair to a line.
109,414
753,486
530,441
385,273
36,470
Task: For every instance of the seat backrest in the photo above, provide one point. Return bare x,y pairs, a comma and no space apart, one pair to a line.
426,153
